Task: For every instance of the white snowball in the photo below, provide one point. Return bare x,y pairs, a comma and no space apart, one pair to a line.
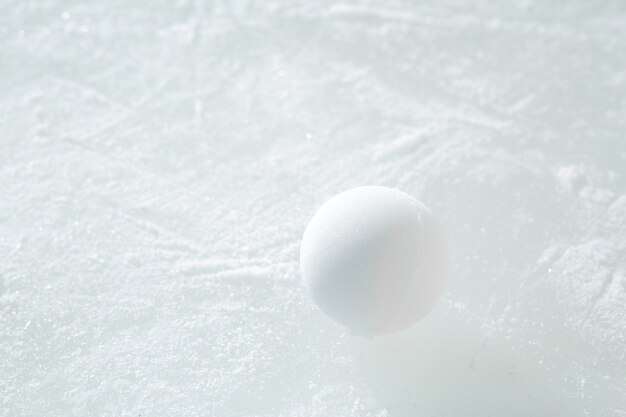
374,259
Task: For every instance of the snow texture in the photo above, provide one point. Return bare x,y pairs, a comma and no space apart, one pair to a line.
159,162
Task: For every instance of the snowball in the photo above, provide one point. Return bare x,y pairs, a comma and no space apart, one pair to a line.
374,259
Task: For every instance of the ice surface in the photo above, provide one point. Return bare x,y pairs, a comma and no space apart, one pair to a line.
159,161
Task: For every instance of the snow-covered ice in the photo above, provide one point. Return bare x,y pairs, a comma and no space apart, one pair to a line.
160,160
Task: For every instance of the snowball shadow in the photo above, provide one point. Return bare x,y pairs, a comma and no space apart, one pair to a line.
447,366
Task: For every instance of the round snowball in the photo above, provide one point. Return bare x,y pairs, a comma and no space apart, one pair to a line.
374,259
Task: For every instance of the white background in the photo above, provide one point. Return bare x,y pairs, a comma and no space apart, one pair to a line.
159,161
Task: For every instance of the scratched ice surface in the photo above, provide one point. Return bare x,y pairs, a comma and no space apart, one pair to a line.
159,161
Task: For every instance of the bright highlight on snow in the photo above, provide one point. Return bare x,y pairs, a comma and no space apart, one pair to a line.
374,259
